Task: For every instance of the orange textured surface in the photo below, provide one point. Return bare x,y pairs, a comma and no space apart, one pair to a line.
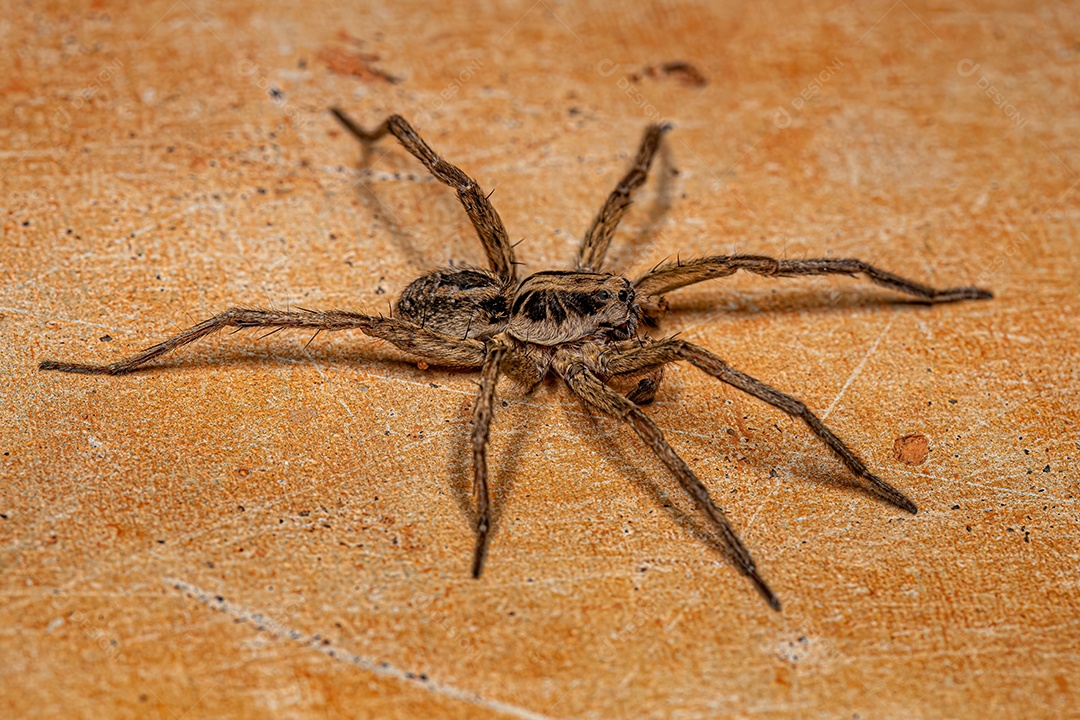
257,527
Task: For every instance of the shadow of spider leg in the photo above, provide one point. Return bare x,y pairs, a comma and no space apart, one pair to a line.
594,245
595,394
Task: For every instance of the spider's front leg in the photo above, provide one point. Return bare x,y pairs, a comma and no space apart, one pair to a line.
590,389
667,277
482,415
488,224
595,243
438,348
665,351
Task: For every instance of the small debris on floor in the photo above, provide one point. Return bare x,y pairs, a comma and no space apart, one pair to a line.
911,449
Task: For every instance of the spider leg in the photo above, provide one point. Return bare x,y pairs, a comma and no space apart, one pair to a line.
590,389
407,336
482,415
659,281
666,351
595,243
488,224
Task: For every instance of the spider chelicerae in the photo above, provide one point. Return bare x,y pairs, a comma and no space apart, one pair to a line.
581,325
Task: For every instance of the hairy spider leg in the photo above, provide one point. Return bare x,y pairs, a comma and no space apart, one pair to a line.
674,275
439,348
662,352
595,394
594,245
482,415
488,224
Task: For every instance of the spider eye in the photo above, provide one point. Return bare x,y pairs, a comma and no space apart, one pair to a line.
603,296
622,296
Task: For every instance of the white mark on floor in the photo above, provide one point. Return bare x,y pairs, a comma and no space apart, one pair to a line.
56,318
321,644
858,369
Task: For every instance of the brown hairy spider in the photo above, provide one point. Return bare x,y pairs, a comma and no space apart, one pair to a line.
580,325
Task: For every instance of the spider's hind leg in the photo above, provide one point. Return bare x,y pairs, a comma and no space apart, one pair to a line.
595,394
483,412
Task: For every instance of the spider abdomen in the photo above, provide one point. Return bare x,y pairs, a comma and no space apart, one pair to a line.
460,302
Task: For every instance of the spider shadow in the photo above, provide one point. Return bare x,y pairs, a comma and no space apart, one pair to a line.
700,308
359,358
402,239
689,520
503,469
827,473
665,172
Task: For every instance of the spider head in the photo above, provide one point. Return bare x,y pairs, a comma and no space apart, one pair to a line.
550,308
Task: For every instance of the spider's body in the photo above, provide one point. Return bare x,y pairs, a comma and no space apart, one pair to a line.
580,325
547,308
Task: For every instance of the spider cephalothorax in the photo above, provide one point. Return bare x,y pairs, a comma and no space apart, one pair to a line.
552,308
580,325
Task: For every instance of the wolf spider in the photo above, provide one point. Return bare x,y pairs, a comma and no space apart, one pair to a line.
579,324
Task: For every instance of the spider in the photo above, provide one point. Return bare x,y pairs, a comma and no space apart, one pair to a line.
580,325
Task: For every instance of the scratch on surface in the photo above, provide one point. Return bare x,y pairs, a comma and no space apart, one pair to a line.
57,318
322,373
1025,493
321,644
768,498
981,424
351,414
50,271
858,369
